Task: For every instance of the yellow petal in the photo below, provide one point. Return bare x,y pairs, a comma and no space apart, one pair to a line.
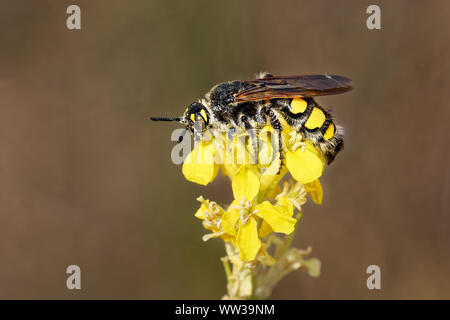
285,206
200,212
277,220
264,230
228,170
270,178
304,164
265,133
199,166
267,160
315,190
236,150
248,242
272,168
229,219
219,148
272,191
265,154
245,184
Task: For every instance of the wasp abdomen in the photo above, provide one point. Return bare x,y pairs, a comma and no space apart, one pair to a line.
316,124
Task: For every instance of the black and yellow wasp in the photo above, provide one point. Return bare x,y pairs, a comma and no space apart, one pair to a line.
252,104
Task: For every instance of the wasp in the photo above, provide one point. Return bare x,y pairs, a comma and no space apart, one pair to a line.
250,105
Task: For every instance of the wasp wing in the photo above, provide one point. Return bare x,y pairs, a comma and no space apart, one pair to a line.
293,87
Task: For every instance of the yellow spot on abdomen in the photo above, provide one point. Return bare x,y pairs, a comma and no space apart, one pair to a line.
203,113
316,119
329,133
298,106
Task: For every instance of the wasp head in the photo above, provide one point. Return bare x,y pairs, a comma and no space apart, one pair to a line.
196,117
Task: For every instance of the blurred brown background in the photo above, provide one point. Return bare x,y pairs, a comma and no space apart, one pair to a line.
86,178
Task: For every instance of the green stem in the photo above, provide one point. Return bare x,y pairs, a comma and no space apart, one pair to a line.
226,266
291,236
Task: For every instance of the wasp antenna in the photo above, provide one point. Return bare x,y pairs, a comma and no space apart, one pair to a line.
165,119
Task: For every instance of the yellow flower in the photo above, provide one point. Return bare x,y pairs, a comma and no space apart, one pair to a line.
199,166
303,160
285,206
242,217
294,192
245,184
211,214
235,154
315,190
258,256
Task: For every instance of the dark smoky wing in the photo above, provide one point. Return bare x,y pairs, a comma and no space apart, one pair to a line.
294,87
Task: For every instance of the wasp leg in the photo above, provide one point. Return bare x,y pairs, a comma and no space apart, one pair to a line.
253,137
278,128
